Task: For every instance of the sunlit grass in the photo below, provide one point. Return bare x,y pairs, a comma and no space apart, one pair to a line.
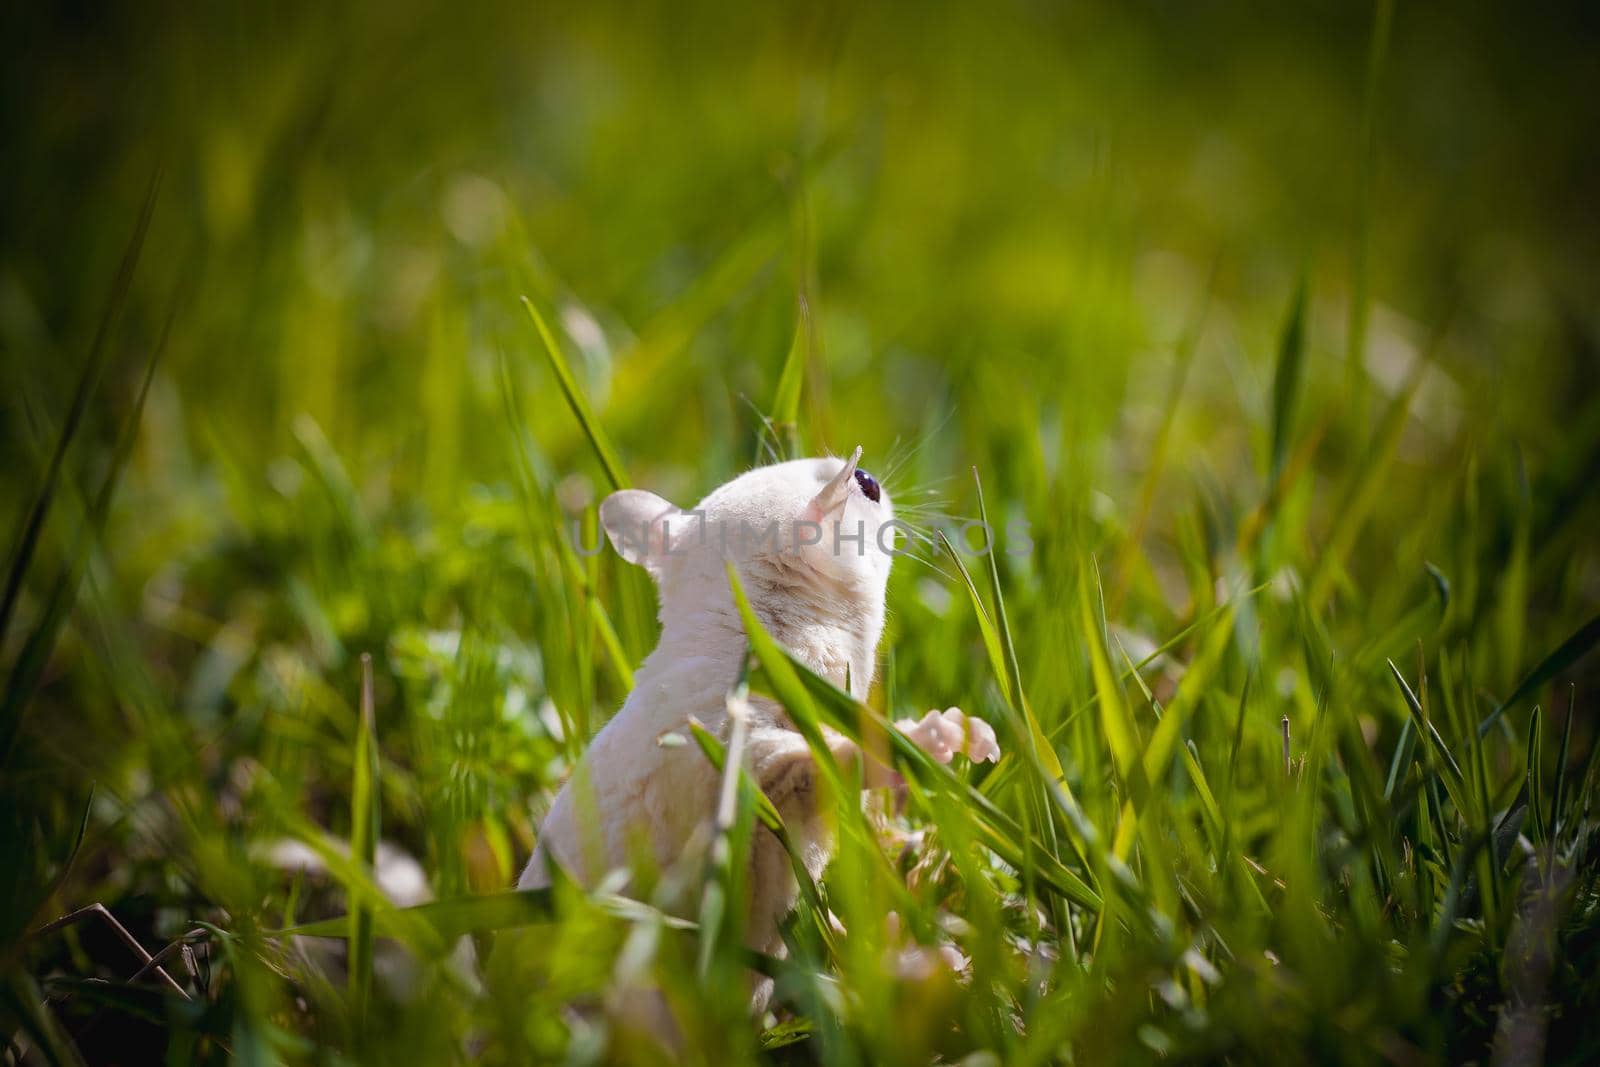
1286,635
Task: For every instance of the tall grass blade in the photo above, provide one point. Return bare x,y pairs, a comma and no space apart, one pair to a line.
1565,655
1455,780
1401,763
549,533
1585,784
717,755
1558,809
1042,754
1215,823
722,896
365,812
1369,477
1191,691
651,356
1445,920
1535,779
1238,736
1361,237
1150,480
88,381
23,1001
578,402
1002,624
991,637
1116,721
448,919
36,649
1286,378
785,416
782,672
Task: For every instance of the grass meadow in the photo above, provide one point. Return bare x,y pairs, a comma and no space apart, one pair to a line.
1265,339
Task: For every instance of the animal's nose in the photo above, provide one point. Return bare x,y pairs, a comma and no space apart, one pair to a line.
869,485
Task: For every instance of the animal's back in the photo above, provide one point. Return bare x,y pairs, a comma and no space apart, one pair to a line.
632,787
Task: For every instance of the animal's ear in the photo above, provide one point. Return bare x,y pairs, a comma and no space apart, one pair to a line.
643,527
833,495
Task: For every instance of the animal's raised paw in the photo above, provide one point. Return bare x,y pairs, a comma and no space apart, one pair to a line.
942,734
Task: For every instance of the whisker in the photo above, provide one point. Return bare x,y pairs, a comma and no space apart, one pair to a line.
930,504
926,517
891,460
767,435
921,532
925,489
922,439
932,566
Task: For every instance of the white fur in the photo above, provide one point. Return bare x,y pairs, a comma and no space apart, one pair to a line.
823,602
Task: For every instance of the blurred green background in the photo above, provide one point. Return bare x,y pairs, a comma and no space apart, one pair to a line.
1060,243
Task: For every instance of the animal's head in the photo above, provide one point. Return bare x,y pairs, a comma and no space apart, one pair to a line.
822,528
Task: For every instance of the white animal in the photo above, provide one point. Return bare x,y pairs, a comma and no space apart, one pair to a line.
811,542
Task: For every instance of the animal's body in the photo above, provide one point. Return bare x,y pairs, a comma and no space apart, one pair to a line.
824,601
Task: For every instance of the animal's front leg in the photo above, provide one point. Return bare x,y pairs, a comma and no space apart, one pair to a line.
784,767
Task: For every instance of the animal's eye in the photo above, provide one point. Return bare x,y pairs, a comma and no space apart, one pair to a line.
869,484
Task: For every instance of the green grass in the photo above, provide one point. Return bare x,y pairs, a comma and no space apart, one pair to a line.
1274,329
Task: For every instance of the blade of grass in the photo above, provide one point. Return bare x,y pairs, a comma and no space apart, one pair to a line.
1286,378
1042,749
1163,742
88,380
1536,813
1454,780
1558,810
722,896
1368,479
716,755
1041,752
360,888
1188,345
1565,655
446,920
1001,832
991,639
578,402
782,672
785,416
1116,721
365,812
527,484
1238,737
1403,751
609,641
1444,922
650,358
1456,703
27,1004
1167,646
1361,243
35,654
1585,783
1208,801
1511,587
